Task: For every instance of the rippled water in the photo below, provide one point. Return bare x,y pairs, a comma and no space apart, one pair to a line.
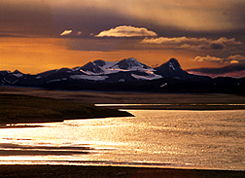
210,139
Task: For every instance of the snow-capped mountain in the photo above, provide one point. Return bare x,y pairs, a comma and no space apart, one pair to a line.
124,70
130,64
127,74
103,67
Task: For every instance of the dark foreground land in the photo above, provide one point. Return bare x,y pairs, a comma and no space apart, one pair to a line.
17,108
39,171
186,101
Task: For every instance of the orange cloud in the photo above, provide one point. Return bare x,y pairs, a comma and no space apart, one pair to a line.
236,57
234,62
66,32
126,31
209,58
192,43
231,59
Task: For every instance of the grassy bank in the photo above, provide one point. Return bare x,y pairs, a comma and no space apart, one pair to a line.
28,109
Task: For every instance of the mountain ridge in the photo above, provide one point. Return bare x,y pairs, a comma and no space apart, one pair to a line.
125,75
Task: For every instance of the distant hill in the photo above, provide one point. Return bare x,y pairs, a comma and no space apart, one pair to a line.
128,75
233,70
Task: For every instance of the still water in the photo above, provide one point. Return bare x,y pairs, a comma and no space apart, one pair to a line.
158,138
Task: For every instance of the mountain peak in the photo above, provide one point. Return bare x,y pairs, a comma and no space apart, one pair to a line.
17,72
132,59
92,67
174,64
100,62
173,60
171,68
130,63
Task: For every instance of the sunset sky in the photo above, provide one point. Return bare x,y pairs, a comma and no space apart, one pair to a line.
39,35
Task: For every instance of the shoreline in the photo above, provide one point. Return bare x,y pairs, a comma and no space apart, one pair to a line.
117,164
7,171
176,101
194,107
63,105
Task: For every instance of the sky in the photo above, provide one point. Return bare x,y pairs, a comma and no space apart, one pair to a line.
41,35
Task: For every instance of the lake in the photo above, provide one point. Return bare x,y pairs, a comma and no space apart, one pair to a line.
153,138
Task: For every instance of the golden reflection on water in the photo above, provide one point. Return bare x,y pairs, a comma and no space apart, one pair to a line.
213,139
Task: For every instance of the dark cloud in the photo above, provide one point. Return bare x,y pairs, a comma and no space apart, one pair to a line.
103,44
236,14
26,18
11,35
52,17
217,46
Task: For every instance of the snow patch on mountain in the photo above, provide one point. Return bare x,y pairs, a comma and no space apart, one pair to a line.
108,64
121,80
38,77
149,77
54,80
171,66
163,85
57,80
18,75
88,77
89,72
10,82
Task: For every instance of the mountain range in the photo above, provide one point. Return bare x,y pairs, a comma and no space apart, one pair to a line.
125,75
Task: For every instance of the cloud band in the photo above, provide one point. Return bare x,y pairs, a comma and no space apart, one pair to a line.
192,43
231,59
